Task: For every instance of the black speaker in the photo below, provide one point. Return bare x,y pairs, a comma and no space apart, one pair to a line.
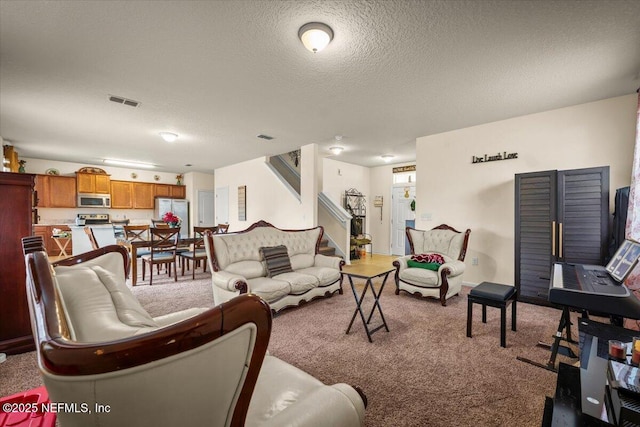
626,409
619,221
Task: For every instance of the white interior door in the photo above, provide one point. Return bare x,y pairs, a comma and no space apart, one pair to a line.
400,213
206,215
222,205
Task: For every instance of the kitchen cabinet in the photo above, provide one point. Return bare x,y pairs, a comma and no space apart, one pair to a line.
161,190
168,190
143,195
131,195
93,183
46,232
55,191
560,216
121,195
16,204
12,157
178,191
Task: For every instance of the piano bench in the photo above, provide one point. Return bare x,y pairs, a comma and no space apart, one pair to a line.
493,295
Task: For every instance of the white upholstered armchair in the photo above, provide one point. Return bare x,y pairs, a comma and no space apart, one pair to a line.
97,346
443,281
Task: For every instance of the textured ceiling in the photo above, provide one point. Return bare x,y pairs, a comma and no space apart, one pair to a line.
218,73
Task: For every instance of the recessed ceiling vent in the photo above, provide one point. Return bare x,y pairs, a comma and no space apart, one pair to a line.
266,137
122,100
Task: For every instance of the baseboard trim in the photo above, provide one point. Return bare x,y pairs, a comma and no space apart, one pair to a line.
18,345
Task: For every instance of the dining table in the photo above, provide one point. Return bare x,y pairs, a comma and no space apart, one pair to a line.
134,245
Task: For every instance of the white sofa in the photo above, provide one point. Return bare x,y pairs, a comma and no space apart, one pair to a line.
237,266
446,280
96,345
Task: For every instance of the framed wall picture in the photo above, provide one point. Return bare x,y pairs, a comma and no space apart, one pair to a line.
242,203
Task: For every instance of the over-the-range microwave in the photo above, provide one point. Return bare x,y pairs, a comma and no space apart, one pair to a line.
94,200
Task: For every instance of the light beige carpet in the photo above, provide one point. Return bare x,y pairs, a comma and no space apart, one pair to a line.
424,372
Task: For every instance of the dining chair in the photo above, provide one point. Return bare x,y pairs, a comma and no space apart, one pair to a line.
135,233
197,252
222,228
158,223
92,238
164,243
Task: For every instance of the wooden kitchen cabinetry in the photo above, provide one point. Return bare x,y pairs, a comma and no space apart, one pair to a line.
55,191
121,195
16,204
93,183
12,156
143,195
178,191
168,190
46,232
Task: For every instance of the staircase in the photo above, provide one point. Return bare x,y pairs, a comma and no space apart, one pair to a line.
325,249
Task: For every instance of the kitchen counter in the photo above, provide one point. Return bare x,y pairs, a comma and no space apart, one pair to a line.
102,232
80,241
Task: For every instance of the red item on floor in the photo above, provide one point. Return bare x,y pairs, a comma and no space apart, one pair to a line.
25,409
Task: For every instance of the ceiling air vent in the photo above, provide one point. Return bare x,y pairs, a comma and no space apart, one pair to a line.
266,137
122,100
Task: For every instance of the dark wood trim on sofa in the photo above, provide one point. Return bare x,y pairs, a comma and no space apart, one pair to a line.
242,286
463,252
444,274
61,356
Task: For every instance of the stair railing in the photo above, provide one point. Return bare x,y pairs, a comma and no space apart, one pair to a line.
336,222
286,173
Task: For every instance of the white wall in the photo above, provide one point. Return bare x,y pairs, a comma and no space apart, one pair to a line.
117,173
194,182
339,177
481,196
267,197
309,185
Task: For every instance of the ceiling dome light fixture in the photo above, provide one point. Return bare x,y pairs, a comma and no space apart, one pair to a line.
336,150
315,36
387,157
168,136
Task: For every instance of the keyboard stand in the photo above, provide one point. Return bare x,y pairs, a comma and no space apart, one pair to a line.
555,347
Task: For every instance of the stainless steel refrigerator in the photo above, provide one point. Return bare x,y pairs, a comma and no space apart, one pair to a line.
179,207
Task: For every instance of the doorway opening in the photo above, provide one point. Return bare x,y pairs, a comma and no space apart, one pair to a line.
403,198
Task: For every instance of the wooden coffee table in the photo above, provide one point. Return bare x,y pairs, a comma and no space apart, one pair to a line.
368,276
62,242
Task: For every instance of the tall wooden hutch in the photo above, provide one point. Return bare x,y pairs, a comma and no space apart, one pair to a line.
16,221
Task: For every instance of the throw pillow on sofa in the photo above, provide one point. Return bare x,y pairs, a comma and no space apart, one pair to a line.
427,265
276,259
437,258
428,261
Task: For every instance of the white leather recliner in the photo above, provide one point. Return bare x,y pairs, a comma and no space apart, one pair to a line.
446,280
113,365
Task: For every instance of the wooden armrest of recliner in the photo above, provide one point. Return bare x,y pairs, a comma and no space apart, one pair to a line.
63,356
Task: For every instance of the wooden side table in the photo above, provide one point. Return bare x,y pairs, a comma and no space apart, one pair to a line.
62,241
